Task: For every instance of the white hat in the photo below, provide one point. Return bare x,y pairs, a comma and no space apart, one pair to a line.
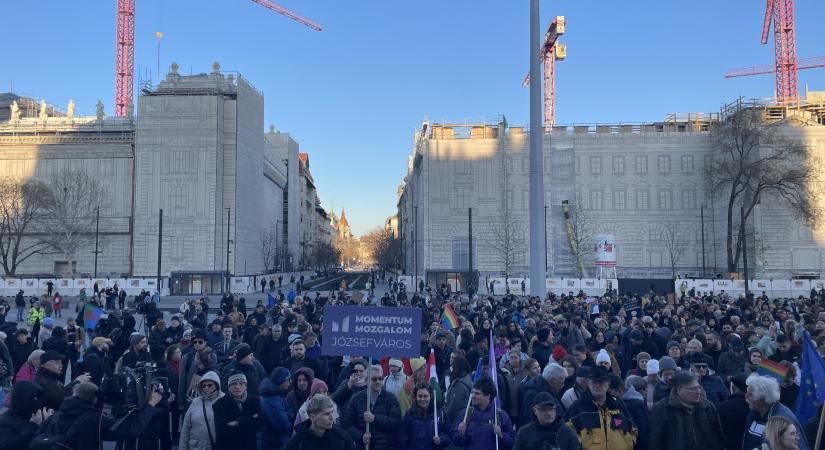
652,367
602,357
396,363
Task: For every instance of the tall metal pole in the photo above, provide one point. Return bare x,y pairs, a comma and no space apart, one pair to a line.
160,244
744,246
537,238
704,265
470,283
228,224
545,240
97,236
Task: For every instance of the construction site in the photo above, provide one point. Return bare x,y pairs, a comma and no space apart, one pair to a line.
640,188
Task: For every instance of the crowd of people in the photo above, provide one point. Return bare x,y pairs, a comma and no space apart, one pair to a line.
615,372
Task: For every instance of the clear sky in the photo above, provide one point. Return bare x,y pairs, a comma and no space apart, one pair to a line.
353,94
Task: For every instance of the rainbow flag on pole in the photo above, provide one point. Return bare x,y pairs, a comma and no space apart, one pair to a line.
449,318
772,369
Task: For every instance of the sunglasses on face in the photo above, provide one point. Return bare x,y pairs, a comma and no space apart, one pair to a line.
199,342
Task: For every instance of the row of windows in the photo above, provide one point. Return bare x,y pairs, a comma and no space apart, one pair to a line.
641,199
640,164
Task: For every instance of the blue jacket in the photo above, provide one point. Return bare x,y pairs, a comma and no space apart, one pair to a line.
714,389
754,433
277,417
479,434
416,433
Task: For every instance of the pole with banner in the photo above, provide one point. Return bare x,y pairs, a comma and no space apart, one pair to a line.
369,388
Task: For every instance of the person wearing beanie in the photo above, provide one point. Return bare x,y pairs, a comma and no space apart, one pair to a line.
734,411
243,362
418,367
394,382
667,369
634,342
674,350
557,355
642,358
652,378
603,359
238,416
732,361
96,360
49,378
277,424
714,387
138,352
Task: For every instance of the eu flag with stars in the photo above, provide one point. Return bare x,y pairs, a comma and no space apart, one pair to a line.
812,389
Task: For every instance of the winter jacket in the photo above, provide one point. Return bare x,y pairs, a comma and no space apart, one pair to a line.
193,433
27,372
637,408
479,434
79,416
535,436
249,418
296,398
20,352
16,429
53,390
36,314
673,427
714,388
602,426
387,419
752,439
306,439
277,417
730,364
416,432
394,382
254,375
188,368
455,400
661,391
529,388
733,413
97,364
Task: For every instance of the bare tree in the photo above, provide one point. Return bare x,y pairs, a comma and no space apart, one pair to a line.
752,158
581,233
22,206
384,249
675,240
269,249
324,255
69,219
507,241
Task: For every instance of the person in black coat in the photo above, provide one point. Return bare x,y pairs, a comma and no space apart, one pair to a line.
238,417
320,431
21,348
96,360
546,428
18,424
384,415
734,412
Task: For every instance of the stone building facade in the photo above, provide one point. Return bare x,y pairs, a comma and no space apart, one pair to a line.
644,184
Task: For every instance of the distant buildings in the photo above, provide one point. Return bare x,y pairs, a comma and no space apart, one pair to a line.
196,150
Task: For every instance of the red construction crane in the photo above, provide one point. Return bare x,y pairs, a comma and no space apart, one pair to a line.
551,50
125,65
801,64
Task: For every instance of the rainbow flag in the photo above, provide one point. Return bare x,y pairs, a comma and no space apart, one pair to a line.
91,315
772,369
449,318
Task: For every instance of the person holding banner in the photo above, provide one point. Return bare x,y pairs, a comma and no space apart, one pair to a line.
418,428
372,416
484,427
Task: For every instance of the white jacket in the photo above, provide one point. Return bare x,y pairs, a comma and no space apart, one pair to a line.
193,433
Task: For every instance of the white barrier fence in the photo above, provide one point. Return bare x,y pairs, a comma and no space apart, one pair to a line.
773,288
590,286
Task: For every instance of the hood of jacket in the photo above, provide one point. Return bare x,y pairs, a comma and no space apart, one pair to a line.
211,376
26,398
309,374
632,394
270,389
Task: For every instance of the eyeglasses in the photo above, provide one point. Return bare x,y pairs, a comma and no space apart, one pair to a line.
199,342
376,378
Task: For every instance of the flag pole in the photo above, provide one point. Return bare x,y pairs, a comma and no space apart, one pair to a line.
435,403
821,425
369,388
492,369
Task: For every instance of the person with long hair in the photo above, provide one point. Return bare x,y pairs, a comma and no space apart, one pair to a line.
417,431
780,434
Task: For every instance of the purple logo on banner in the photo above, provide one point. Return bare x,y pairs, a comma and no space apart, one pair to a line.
372,331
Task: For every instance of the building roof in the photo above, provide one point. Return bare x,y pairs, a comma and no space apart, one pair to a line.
343,221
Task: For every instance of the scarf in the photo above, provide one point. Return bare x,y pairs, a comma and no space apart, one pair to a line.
241,400
174,367
211,396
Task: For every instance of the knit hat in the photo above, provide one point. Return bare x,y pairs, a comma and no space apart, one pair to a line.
396,363
86,390
637,335
51,355
292,338
559,353
198,333
242,351
135,338
602,357
652,367
100,341
236,378
643,355
665,363
672,344
417,363
48,322
279,375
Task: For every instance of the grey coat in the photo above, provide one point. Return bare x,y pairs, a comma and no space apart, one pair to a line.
193,433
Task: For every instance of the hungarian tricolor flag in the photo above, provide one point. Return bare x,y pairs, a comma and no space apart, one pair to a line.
434,377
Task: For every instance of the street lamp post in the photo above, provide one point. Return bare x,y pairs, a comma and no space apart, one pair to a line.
97,235
538,286
704,265
415,247
160,245
228,225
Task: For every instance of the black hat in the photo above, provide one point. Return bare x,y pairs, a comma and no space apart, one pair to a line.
198,333
242,351
637,335
739,382
51,355
544,399
698,358
598,373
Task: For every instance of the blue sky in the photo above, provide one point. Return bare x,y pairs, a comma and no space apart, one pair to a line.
352,94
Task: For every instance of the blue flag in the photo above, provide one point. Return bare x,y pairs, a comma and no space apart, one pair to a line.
479,371
270,301
493,366
812,389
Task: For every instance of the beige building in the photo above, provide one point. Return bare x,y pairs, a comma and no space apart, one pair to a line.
641,183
